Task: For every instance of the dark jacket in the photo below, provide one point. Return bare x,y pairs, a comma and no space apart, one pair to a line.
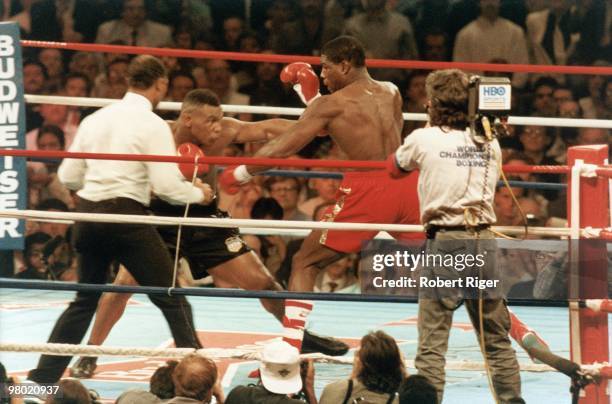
257,395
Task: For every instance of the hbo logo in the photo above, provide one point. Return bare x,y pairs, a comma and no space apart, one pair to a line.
494,91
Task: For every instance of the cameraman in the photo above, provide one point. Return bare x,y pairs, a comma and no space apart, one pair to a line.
457,177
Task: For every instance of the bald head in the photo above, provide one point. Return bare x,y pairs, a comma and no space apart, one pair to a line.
194,377
144,70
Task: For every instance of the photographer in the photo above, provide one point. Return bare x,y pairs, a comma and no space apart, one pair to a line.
458,171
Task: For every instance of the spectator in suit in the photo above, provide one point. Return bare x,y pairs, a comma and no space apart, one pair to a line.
338,277
224,84
549,34
134,28
492,37
385,35
304,36
65,20
435,46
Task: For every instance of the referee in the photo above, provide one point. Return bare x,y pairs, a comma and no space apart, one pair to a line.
121,187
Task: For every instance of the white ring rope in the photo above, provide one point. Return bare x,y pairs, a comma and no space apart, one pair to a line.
247,352
176,106
254,223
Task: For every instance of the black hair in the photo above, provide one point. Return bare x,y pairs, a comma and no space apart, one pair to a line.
161,383
28,62
416,389
200,97
545,81
35,238
345,48
77,75
55,131
266,206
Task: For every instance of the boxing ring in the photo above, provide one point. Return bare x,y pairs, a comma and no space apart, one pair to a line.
233,327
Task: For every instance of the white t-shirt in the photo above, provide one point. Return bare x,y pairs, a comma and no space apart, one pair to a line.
451,174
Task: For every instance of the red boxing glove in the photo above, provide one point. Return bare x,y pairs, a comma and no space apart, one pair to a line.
289,72
192,151
394,170
227,181
305,81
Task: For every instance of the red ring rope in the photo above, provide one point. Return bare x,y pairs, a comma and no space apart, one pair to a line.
604,172
260,57
376,165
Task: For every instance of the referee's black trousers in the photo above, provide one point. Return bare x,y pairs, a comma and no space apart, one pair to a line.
141,250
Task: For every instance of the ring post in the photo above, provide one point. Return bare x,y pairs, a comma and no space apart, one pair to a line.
588,267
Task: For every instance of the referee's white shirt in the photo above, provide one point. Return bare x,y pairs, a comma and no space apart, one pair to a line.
127,127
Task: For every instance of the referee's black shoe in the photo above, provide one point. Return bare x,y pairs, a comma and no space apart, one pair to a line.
331,346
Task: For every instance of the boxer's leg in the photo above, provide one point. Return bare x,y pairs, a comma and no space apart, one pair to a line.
248,272
309,260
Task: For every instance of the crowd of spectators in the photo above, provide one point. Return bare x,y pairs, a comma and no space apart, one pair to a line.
500,31
378,376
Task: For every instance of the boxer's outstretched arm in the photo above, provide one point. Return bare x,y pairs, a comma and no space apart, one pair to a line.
245,132
315,119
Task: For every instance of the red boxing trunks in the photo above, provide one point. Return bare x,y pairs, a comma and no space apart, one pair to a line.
372,197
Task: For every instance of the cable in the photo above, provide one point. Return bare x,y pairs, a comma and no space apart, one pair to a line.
518,205
480,291
180,229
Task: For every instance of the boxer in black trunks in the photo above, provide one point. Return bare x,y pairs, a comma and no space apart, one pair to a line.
220,252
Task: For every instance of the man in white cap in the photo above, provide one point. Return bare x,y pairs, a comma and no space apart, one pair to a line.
280,379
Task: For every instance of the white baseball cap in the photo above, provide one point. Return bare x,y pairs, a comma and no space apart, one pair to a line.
280,368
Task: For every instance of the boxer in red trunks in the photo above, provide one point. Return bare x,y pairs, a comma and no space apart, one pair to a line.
364,117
